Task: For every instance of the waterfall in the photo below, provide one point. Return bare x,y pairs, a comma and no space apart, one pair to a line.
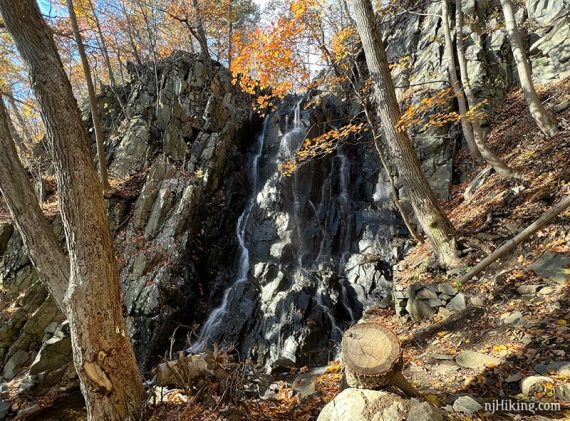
209,329
346,217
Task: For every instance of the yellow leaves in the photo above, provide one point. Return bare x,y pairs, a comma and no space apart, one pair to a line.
499,348
561,322
319,146
340,43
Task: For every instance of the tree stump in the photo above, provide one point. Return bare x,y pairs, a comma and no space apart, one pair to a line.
372,358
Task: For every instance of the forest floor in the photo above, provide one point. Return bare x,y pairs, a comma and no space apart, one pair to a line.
497,211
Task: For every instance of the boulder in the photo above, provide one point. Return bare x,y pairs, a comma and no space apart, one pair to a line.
376,405
534,384
477,360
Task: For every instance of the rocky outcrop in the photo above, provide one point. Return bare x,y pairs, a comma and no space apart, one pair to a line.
177,135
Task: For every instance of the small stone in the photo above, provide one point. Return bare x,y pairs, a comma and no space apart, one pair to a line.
426,294
514,378
447,289
457,303
527,289
436,302
562,392
561,368
551,265
477,360
477,301
533,384
546,290
515,318
423,411
419,309
466,405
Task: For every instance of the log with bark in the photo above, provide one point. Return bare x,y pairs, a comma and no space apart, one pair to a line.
372,358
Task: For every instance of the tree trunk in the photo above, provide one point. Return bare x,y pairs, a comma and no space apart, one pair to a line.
200,33
99,137
488,155
103,44
20,120
545,122
388,170
434,222
39,239
104,359
230,34
458,92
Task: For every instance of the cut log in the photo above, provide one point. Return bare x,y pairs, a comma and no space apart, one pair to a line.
372,358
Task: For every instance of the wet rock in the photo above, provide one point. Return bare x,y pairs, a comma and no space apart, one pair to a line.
477,360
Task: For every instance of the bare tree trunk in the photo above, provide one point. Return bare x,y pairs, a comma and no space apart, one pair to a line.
199,33
465,125
99,137
21,122
104,359
103,44
434,222
230,34
388,170
488,155
39,239
545,122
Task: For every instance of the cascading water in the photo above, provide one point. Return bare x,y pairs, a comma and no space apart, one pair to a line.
208,332
304,272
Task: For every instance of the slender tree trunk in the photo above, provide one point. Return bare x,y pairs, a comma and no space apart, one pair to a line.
465,125
230,34
434,222
21,122
18,141
103,44
99,137
488,155
39,239
200,33
132,42
388,170
104,359
546,122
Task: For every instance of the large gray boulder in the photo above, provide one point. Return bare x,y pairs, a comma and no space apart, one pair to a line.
377,405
